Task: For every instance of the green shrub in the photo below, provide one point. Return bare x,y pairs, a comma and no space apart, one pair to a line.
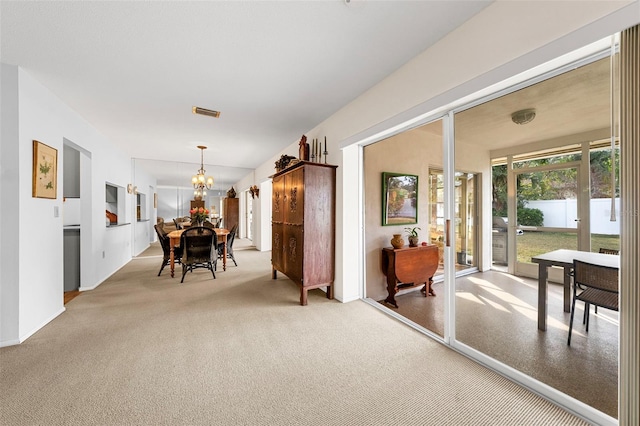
530,217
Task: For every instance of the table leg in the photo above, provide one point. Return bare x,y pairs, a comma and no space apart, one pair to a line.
224,254
392,289
567,289
427,290
542,296
171,260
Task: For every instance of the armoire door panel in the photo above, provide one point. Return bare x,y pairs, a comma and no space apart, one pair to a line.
294,204
277,200
293,252
277,239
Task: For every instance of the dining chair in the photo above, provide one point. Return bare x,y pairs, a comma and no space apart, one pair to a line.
602,250
199,248
594,285
230,239
165,243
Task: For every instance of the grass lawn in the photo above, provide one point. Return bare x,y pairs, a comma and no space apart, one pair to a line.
531,243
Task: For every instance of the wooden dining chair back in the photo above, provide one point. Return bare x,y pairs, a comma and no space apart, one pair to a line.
594,285
165,243
199,249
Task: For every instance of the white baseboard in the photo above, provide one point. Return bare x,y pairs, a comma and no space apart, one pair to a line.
45,322
9,343
349,298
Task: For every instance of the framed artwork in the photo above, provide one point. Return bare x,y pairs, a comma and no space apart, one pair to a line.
45,171
399,199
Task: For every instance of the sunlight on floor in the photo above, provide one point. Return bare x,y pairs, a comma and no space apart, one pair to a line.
494,304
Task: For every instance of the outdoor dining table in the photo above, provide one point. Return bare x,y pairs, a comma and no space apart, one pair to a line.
174,241
564,258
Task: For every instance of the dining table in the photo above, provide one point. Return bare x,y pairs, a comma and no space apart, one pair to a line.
564,258
174,241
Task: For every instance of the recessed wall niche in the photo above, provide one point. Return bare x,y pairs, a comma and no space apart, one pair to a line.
114,204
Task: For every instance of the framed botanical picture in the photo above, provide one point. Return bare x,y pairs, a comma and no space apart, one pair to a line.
45,171
399,199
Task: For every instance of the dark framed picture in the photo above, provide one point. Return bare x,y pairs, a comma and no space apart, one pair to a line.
45,171
399,199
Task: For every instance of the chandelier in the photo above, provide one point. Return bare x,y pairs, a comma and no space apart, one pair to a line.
201,182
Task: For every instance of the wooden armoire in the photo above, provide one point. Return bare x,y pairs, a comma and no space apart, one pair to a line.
303,225
230,212
196,204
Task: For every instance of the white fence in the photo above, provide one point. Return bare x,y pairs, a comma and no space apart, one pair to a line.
563,213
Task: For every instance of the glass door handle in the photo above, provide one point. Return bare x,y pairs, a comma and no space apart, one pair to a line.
447,233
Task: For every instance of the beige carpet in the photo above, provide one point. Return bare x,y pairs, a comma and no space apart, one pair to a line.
239,350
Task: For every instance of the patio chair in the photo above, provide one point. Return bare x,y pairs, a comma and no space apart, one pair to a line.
603,251
600,284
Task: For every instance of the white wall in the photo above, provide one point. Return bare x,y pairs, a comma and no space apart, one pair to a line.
143,230
41,116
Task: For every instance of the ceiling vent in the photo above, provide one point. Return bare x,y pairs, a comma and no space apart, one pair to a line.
204,111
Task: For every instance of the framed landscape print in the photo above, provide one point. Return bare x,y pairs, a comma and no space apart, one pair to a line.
399,199
45,171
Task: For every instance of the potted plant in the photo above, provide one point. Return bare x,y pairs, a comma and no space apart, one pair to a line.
412,233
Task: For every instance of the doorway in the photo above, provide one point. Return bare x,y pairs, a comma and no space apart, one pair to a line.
558,187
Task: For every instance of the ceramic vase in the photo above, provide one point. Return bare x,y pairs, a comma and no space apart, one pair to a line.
397,241
413,241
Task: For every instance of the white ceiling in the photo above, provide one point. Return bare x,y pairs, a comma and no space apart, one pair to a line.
570,107
274,69
573,103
